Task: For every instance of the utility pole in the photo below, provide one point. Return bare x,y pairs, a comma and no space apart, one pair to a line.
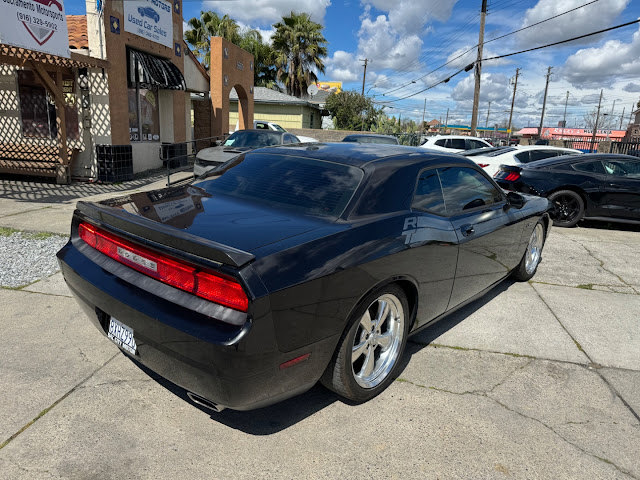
364,77
564,117
486,123
478,69
513,101
446,122
423,112
621,117
595,127
544,103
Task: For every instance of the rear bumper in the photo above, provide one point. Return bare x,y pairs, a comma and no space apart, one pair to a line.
235,367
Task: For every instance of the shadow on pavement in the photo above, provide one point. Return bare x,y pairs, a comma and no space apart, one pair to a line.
601,225
275,418
45,190
425,337
262,421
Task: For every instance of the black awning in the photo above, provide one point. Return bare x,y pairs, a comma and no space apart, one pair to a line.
152,71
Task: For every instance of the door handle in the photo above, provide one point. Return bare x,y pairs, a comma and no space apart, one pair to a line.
467,230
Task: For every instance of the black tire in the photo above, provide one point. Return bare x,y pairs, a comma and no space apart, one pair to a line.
528,265
347,377
568,208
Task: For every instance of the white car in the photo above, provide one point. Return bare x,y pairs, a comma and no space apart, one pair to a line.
492,159
454,143
265,125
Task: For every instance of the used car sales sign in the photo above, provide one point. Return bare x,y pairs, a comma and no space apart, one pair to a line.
39,25
150,19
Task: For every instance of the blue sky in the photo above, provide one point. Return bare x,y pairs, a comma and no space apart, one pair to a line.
406,40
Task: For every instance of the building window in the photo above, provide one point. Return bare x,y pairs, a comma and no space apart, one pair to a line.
144,117
38,114
38,108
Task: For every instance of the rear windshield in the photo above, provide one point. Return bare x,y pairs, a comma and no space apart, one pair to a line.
305,185
253,139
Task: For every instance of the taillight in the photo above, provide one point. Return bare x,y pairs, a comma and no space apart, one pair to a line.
512,177
207,285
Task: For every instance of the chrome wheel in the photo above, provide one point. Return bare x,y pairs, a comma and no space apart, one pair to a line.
377,341
534,249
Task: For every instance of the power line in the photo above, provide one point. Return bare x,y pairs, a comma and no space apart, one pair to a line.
468,67
562,41
488,41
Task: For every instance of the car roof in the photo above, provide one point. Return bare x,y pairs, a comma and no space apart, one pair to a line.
362,135
260,130
544,147
456,136
361,154
585,157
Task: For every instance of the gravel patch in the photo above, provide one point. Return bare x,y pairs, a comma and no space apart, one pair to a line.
27,257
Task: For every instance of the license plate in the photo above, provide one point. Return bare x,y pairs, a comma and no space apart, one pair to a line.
122,336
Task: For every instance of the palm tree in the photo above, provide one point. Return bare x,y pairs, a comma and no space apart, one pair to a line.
210,25
300,47
263,59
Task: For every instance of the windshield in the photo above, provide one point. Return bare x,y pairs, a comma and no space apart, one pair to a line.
305,185
253,139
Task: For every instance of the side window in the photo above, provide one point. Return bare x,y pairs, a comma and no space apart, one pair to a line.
261,126
466,189
476,144
622,168
428,196
457,143
523,157
590,167
542,154
288,138
441,142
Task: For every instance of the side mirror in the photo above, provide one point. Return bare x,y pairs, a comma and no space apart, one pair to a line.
515,200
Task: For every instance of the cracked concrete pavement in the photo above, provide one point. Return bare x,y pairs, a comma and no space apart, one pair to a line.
535,380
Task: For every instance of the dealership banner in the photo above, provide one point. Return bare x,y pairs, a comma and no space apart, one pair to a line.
150,19
39,25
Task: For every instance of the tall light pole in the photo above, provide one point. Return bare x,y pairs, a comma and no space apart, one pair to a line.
364,77
595,127
564,117
513,101
544,103
478,70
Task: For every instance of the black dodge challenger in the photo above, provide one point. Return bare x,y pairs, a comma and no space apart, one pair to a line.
289,265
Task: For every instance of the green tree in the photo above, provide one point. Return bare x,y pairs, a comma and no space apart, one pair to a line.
351,111
210,24
265,72
300,48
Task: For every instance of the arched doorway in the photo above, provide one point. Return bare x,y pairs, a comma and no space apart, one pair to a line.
231,67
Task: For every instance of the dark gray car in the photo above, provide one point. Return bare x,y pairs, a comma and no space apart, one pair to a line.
237,143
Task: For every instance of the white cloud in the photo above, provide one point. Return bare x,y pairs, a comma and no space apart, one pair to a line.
385,48
590,99
494,87
601,66
631,87
263,13
587,19
342,67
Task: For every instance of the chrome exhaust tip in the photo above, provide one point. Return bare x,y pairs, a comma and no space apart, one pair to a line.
203,402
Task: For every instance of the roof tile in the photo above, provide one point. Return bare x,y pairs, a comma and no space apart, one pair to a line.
77,27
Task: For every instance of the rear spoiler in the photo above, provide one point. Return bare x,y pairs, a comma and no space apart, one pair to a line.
163,234
510,168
